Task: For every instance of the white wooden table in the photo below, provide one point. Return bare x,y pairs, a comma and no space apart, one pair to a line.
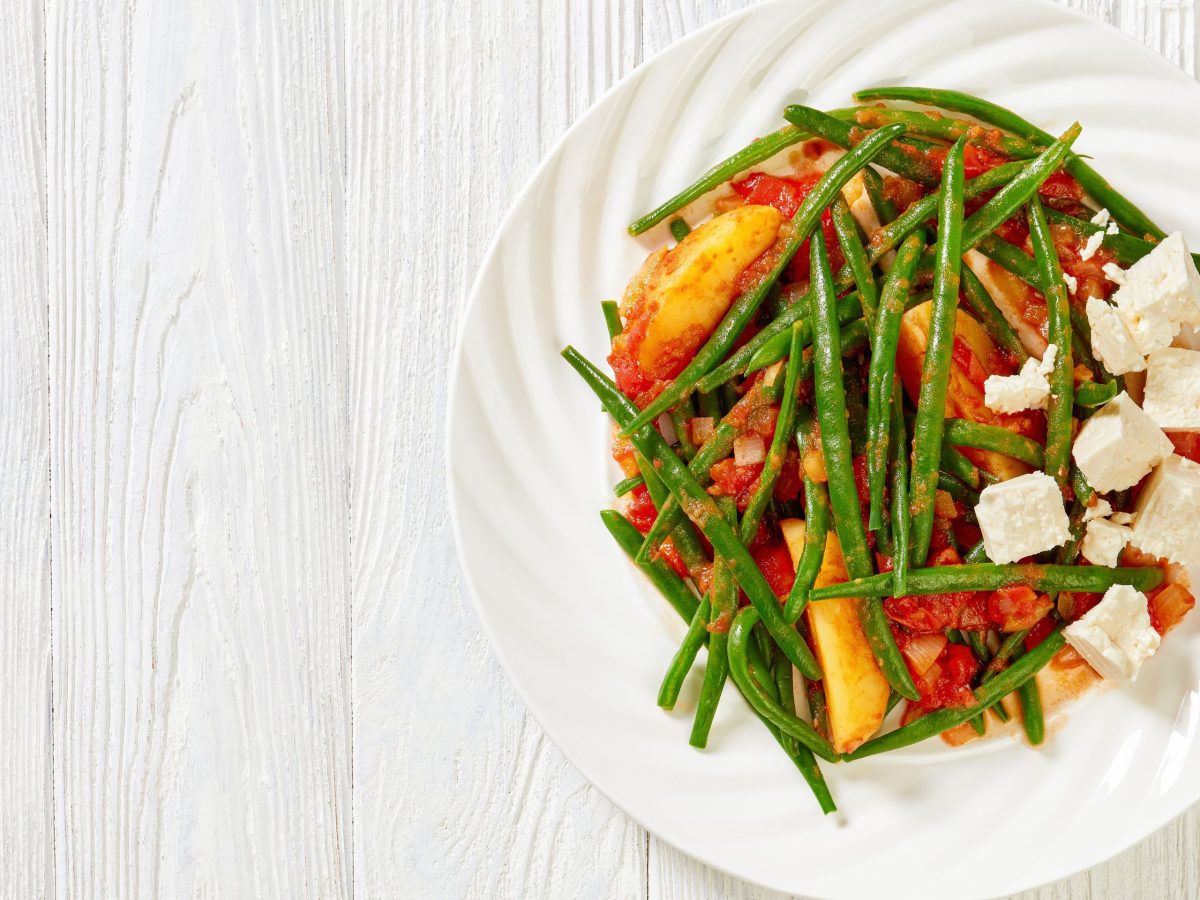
236,658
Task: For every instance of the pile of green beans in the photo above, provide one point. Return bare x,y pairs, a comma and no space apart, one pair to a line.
834,400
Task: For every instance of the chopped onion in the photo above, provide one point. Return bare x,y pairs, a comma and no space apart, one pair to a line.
943,505
1170,605
702,429
923,650
748,450
772,373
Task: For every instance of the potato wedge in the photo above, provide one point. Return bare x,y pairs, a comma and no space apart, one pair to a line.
697,281
1024,310
964,396
855,690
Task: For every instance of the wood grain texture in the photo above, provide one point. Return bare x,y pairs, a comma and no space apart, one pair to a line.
200,510
26,810
457,791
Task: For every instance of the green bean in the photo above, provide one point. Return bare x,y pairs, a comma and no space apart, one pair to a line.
1058,329
1126,248
673,588
1122,209
723,598
781,672
936,722
757,151
941,127
774,339
777,452
788,723
612,318
883,371
993,576
775,349
956,464
621,488
718,446
1095,394
802,224
816,526
894,156
1030,700
900,453
935,371
920,211
885,209
839,469
856,258
681,420
680,597
997,438
957,490
681,662
1017,192
680,229
701,509
683,535
976,554
985,311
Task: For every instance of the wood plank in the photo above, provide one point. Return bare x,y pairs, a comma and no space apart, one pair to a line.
26,808
197,368
457,791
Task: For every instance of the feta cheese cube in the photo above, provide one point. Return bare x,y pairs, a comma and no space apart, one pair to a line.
1173,389
1104,541
1115,636
1160,294
1167,517
1021,517
1119,445
1121,518
1101,509
1111,341
1028,389
1114,273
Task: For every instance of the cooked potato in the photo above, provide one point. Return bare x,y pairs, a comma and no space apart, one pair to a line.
855,690
964,396
694,284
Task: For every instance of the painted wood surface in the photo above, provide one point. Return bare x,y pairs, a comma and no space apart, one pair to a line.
237,655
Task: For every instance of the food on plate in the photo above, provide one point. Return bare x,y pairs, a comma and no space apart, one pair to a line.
878,444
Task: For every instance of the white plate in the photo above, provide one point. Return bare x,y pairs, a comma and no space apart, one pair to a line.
585,640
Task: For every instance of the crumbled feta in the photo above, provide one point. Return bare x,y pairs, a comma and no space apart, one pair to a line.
1095,239
1021,517
1119,445
1111,340
1028,389
1168,512
1102,218
1114,273
1173,389
1101,509
1071,282
1115,636
1161,293
1104,541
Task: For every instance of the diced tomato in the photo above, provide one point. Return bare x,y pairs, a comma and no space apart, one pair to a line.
668,554
1061,186
947,683
1187,443
976,160
639,509
1075,604
1039,633
789,483
861,480
731,480
775,563
1017,607
934,613
968,363
1168,605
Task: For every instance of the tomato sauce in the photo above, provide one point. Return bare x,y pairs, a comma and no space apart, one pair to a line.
786,195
